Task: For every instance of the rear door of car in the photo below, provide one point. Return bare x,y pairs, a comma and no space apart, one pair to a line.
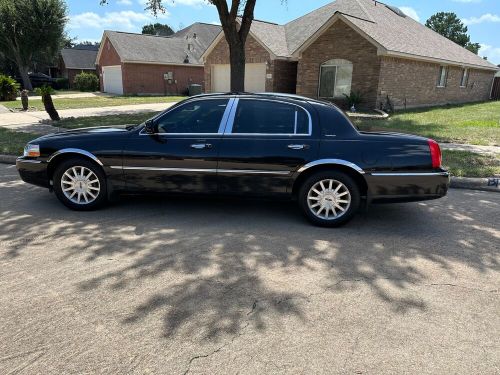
264,143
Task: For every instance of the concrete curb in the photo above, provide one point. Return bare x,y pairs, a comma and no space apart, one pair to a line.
8,159
483,184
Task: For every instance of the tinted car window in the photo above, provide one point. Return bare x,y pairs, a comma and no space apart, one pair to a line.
269,117
202,116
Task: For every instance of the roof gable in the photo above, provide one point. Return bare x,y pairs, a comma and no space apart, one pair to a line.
184,47
393,33
75,58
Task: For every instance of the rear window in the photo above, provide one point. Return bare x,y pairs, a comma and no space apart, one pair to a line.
269,117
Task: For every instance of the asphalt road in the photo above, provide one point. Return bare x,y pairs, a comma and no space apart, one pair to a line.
219,286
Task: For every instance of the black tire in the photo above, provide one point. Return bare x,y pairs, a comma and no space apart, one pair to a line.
350,208
101,196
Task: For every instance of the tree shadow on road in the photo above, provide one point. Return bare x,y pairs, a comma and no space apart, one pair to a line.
211,267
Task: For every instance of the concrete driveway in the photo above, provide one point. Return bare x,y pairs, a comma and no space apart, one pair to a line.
219,286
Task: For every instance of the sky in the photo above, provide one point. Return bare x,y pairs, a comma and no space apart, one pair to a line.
88,19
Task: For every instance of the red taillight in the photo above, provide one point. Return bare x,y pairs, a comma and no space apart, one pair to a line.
435,153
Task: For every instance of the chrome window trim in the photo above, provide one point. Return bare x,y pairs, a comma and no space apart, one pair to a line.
75,151
331,161
222,124
203,170
386,174
229,127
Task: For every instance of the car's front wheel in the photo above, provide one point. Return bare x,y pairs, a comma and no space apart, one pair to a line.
329,198
80,184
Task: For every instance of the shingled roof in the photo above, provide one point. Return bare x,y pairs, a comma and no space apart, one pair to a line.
386,26
75,58
172,49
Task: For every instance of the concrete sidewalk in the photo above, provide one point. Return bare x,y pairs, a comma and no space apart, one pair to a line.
68,96
14,120
472,148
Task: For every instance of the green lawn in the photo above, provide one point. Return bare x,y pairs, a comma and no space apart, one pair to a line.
12,143
477,124
98,101
469,164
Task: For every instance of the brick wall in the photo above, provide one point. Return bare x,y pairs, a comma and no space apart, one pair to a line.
341,42
109,57
148,79
415,83
284,76
254,53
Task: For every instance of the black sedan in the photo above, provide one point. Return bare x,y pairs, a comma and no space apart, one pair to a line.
269,145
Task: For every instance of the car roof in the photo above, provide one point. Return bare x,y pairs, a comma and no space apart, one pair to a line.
274,95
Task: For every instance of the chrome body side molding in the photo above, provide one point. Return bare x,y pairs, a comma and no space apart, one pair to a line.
406,174
74,151
331,162
202,170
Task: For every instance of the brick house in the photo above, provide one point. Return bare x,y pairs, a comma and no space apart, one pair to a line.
74,61
133,64
359,46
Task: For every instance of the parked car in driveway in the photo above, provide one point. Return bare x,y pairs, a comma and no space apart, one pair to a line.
244,144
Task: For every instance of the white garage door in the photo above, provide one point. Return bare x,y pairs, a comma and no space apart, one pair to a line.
112,79
255,78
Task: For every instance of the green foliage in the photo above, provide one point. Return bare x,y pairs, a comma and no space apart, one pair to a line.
8,88
450,26
31,30
473,47
44,90
353,99
157,29
87,82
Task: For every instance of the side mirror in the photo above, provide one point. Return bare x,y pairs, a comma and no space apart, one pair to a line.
150,127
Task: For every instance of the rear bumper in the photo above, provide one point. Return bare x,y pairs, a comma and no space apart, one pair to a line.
407,187
33,171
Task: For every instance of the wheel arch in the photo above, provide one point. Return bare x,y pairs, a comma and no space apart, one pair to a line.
352,170
69,153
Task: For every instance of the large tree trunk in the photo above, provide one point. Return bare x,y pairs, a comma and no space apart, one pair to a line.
237,59
23,71
236,33
49,107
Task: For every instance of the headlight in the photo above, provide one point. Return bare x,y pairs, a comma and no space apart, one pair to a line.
33,151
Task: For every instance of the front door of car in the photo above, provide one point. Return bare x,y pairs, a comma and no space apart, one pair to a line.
265,142
181,155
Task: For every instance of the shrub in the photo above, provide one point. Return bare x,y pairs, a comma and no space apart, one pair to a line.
8,88
62,84
87,82
353,99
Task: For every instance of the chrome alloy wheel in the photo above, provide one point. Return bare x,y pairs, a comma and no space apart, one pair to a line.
328,199
80,185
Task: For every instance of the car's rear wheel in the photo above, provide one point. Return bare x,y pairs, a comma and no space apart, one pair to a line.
80,184
329,198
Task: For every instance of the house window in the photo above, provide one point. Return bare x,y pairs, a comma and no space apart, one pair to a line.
465,77
443,75
335,78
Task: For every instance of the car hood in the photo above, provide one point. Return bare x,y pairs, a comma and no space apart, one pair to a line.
85,131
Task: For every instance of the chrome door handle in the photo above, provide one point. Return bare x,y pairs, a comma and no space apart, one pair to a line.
200,146
298,147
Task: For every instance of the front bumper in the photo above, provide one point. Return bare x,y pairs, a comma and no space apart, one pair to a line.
407,186
33,171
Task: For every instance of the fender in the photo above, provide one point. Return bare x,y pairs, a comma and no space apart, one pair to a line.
75,151
331,162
